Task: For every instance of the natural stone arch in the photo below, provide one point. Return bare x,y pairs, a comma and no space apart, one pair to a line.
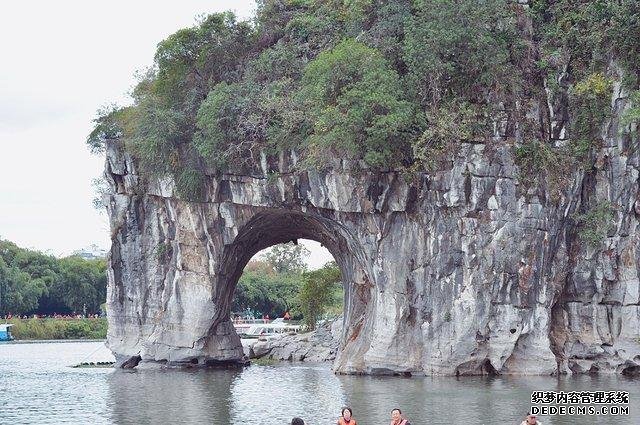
275,226
459,271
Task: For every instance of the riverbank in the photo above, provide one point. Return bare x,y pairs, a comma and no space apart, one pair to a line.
59,329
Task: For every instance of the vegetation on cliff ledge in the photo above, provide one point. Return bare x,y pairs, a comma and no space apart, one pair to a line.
393,83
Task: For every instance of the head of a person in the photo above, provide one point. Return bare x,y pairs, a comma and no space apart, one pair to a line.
532,419
297,421
346,413
396,414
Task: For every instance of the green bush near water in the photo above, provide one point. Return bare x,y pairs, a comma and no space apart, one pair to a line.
36,329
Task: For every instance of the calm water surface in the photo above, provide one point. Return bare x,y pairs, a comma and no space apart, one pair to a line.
37,386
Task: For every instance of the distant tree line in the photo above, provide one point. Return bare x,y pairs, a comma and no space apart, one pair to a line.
35,283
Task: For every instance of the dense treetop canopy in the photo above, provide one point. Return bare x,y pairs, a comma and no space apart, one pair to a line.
393,83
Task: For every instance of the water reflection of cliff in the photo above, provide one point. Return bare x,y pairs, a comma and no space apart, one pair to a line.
171,396
447,400
253,395
274,394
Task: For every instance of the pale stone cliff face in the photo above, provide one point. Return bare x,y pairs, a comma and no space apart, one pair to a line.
460,271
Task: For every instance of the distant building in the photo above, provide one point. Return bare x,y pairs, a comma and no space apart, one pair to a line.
91,253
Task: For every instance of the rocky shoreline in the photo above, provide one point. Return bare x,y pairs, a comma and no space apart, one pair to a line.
320,345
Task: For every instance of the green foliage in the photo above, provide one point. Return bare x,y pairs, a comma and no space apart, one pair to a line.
188,64
191,61
279,283
190,185
385,27
624,33
287,258
18,292
260,111
266,291
459,49
156,134
318,293
81,284
272,177
594,87
162,251
581,45
542,163
314,25
354,107
276,116
394,83
631,117
109,124
100,188
453,122
591,106
31,282
217,122
595,223
264,361
43,329
587,33
535,156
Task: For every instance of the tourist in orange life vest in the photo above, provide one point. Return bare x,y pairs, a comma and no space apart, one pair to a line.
396,418
345,417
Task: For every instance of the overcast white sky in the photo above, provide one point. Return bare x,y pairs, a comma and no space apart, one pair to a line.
61,60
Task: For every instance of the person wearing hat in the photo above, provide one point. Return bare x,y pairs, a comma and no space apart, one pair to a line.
531,419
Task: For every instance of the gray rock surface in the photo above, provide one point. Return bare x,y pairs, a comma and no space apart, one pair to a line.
466,270
320,345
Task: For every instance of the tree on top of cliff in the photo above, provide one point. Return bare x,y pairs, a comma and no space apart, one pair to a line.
367,79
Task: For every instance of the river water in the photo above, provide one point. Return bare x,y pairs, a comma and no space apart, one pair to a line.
37,386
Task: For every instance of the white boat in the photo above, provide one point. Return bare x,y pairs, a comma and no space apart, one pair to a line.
277,327
242,326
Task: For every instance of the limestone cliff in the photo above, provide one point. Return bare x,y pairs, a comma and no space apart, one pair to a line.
466,270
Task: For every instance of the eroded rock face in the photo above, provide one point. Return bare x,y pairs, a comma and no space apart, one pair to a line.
467,270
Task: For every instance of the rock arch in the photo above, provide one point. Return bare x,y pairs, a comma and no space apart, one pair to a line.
457,272
268,227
